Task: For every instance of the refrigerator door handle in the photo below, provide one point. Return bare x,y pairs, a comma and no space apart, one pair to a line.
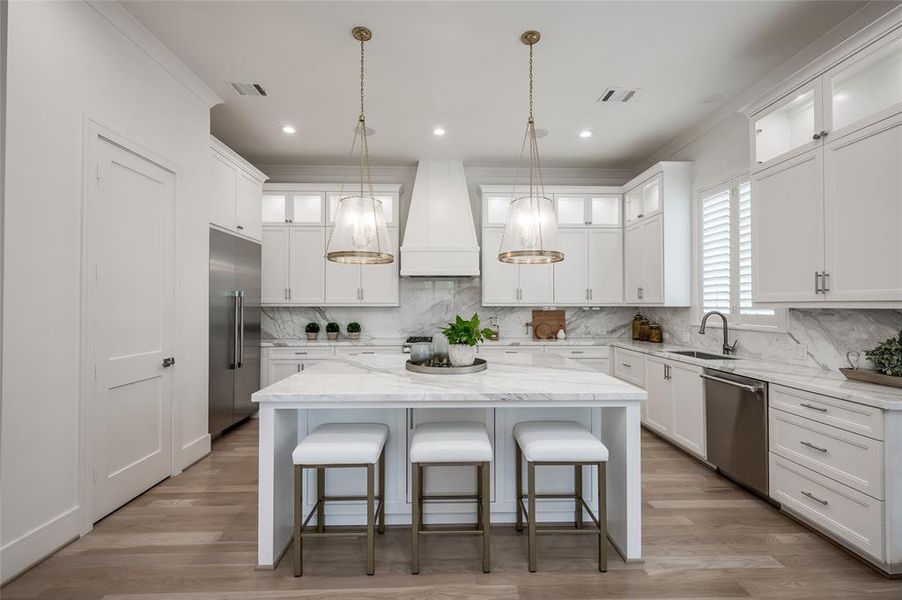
240,344
235,317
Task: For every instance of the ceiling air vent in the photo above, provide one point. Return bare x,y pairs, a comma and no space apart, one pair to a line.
617,95
247,89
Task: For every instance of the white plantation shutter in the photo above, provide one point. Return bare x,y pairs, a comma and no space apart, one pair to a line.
715,250
745,254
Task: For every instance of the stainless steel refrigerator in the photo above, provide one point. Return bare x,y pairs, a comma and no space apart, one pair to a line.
234,329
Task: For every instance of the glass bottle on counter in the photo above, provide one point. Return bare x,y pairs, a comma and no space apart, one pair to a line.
643,330
635,325
655,334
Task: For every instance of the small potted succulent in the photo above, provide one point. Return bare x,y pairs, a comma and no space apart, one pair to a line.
887,356
312,331
332,330
353,329
463,336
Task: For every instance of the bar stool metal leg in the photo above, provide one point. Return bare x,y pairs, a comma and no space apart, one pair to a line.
415,520
485,508
370,520
531,514
320,494
602,519
518,455
479,497
578,492
298,521
382,492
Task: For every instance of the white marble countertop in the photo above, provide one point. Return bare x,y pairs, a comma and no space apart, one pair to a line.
527,379
830,383
322,342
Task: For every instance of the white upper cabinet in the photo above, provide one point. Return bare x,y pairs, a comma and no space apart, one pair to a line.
275,269
605,266
236,192
505,284
389,205
571,277
306,267
657,245
827,211
580,210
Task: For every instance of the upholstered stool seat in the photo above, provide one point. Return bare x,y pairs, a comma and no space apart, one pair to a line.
560,443
340,445
450,444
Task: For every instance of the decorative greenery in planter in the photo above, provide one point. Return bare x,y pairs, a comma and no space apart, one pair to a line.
353,330
312,330
887,356
463,335
332,330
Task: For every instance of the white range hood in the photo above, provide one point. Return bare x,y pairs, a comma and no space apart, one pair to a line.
440,237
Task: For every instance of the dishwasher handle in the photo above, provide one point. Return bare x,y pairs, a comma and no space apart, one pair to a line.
749,388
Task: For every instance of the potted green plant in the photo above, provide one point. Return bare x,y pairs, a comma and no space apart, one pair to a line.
463,336
332,330
887,356
312,331
353,329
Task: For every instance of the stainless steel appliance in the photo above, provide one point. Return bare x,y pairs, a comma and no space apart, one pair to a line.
736,427
234,329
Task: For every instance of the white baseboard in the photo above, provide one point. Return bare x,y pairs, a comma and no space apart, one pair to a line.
194,451
39,543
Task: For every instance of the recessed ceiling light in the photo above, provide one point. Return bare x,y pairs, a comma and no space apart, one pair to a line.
288,129
438,131
585,133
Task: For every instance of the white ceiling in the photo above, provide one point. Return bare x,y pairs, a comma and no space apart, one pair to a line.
461,65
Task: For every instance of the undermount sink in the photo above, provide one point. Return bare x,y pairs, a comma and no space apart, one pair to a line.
703,355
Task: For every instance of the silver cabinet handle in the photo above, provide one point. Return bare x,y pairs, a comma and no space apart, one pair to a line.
368,352
299,367
577,352
823,134
168,362
816,136
749,388
627,365
817,282
300,352
590,293
812,407
511,352
289,293
813,447
240,226
815,498
824,276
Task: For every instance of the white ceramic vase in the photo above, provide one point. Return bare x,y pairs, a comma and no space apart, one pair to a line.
461,355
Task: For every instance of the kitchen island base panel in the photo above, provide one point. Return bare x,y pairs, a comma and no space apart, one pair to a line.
616,423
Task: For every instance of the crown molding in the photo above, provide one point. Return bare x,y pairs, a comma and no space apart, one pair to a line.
134,31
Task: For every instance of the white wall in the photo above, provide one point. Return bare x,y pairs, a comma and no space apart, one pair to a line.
68,63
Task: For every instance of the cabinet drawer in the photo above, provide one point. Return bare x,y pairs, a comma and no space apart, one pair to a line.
366,350
846,513
502,350
580,351
858,418
629,366
300,353
849,458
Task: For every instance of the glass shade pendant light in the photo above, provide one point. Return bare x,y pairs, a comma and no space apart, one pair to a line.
359,235
531,233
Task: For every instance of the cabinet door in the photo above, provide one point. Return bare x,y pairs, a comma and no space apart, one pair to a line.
660,396
653,260
604,211
688,407
342,282
605,266
379,283
863,214
788,230
633,205
571,277
274,267
632,249
306,284
651,196
571,210
537,284
275,208
249,211
787,128
499,280
279,369
222,191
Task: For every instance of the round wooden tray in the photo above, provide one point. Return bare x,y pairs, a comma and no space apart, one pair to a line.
478,365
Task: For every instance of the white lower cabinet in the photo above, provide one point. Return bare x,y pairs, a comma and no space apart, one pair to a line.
594,357
629,366
676,402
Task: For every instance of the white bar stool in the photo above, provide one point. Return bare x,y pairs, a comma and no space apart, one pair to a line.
339,446
451,444
560,443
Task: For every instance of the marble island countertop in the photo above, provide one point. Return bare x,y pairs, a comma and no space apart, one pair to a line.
830,383
381,380
397,341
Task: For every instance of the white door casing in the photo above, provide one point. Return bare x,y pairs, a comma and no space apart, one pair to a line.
129,308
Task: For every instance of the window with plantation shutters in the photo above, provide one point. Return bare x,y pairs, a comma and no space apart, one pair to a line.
725,255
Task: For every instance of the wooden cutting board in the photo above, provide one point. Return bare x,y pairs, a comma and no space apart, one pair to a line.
546,323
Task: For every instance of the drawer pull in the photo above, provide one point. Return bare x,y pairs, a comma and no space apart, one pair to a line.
812,407
511,352
577,352
368,352
813,447
300,353
627,365
813,497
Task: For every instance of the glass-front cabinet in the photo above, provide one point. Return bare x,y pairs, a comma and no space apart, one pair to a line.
579,210
643,200
388,206
293,207
789,127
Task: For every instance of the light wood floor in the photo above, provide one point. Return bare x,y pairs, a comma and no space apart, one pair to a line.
194,538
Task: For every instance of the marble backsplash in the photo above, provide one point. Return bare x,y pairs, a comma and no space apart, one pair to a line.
815,337
427,304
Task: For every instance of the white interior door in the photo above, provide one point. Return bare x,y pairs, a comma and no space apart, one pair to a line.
130,303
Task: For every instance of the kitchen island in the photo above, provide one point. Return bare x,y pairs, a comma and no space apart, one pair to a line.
514,388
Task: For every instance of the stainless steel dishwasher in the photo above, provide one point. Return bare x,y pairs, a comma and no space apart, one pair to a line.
736,427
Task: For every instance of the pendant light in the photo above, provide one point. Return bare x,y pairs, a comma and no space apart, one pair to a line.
531,233
359,235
